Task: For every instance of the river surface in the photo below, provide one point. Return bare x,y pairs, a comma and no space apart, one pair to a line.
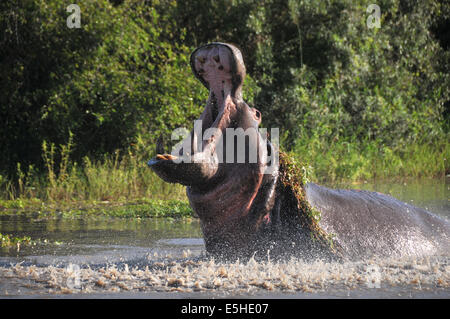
156,258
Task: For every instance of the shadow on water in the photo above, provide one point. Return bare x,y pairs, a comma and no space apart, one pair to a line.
165,259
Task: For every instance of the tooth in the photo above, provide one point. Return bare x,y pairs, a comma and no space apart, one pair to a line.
166,157
160,145
170,157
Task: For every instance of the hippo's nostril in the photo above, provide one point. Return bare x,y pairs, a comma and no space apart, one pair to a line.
201,71
220,67
201,59
216,58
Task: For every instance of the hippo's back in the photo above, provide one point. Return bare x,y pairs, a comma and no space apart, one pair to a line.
368,223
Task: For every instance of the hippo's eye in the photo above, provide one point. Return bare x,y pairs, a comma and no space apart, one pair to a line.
257,114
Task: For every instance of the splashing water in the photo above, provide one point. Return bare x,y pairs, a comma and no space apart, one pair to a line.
205,276
164,260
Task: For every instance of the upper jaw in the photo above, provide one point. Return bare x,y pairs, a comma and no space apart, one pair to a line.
185,170
220,68
216,63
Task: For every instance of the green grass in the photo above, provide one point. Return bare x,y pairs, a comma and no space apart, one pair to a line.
116,178
121,186
350,161
9,241
141,209
145,208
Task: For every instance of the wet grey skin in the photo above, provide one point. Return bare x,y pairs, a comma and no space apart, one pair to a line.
244,212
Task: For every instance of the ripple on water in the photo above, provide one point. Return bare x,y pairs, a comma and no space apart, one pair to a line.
182,242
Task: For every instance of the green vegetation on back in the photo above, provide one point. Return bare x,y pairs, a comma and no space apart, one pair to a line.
294,176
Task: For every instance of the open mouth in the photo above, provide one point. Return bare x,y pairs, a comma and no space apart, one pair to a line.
215,66
220,68
214,108
227,130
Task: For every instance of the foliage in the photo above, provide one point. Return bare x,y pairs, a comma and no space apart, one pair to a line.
352,160
81,109
9,241
322,71
104,83
111,179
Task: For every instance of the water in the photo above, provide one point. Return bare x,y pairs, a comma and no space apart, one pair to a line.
432,195
153,258
95,240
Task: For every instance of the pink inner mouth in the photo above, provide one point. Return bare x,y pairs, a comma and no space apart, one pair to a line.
214,65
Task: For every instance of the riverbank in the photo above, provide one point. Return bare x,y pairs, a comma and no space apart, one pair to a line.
143,208
420,190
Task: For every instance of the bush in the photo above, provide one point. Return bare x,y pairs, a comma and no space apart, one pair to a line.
116,76
317,72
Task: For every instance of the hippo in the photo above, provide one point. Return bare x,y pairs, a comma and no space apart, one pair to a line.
251,204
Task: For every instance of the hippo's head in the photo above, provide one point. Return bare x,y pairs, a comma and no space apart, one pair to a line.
225,164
